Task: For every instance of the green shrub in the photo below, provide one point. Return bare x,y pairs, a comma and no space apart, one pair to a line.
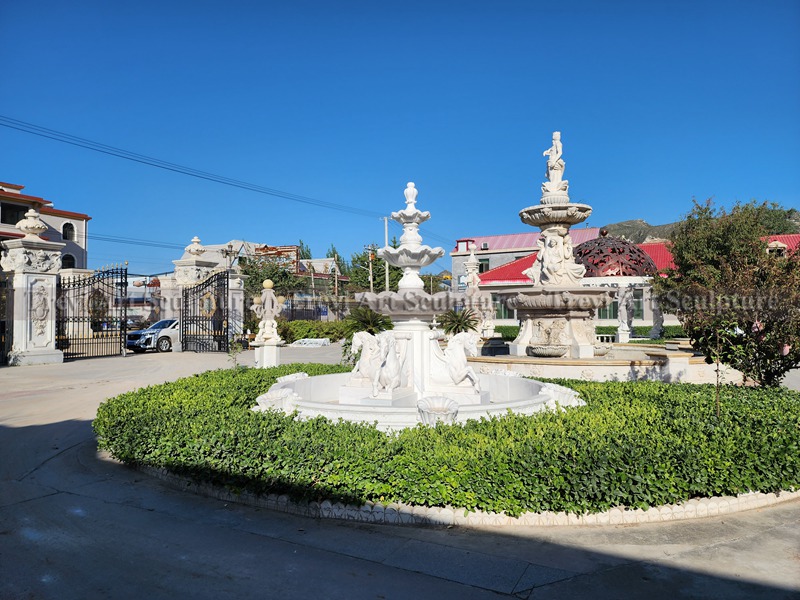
509,332
291,331
635,444
458,321
605,330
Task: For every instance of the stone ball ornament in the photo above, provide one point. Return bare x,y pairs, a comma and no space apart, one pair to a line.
268,284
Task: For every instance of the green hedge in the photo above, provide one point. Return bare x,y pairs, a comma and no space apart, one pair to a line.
291,331
669,331
509,332
635,444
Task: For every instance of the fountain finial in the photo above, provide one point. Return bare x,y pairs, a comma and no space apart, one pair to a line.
555,189
411,194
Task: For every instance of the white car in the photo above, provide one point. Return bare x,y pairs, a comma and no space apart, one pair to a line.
161,336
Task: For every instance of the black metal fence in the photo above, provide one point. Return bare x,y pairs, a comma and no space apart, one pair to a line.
6,320
91,314
204,318
309,309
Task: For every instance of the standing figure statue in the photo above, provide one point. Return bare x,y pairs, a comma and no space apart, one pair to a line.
555,167
267,310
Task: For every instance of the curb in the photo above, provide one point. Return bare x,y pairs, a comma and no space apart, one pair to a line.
424,516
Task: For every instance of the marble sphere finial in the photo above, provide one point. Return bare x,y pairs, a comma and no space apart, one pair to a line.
410,193
268,285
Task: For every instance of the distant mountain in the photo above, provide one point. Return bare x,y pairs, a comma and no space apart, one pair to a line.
639,231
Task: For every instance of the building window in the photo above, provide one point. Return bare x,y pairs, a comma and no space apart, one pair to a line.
68,261
638,304
68,232
11,214
483,265
776,249
501,311
611,311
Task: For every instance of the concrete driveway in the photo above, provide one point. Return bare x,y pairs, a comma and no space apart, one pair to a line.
74,524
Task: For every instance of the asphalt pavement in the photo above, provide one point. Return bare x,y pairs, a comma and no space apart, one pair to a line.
76,524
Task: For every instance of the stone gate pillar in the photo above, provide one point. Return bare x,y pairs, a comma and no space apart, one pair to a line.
236,304
34,263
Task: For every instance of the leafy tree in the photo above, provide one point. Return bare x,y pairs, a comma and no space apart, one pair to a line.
344,268
738,304
305,251
259,269
359,273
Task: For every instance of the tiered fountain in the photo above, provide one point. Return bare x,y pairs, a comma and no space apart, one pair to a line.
403,376
558,314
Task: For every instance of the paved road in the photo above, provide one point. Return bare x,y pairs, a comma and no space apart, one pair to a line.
77,525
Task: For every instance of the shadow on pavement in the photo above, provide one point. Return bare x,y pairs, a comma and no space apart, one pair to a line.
75,525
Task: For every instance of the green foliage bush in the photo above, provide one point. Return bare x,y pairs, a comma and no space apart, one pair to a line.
509,332
291,331
635,444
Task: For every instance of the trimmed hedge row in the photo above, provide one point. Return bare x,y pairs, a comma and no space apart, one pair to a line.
291,331
635,444
509,332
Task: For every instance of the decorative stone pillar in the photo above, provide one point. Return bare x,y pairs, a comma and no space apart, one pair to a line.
236,304
477,300
189,271
268,341
34,263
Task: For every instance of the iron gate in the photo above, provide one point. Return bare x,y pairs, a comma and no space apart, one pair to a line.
204,318
6,319
91,314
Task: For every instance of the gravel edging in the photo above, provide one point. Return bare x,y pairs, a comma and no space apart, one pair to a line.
407,514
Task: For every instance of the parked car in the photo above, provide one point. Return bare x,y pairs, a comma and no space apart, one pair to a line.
161,336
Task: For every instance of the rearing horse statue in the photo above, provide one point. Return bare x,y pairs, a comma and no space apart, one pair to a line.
458,348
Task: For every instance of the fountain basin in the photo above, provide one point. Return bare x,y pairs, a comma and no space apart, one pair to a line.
318,396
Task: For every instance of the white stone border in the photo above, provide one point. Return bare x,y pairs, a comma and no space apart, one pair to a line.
407,514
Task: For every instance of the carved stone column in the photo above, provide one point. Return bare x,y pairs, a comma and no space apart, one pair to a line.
236,304
34,263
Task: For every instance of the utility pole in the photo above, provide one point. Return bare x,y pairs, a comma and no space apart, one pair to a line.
385,244
335,275
371,249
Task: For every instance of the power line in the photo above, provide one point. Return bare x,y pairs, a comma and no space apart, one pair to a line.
168,166
161,164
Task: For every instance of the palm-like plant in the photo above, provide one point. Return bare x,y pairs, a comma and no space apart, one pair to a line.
363,318
456,321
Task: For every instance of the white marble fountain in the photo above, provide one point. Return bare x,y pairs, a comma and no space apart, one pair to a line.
405,376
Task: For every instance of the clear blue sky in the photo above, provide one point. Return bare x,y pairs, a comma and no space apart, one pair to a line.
344,102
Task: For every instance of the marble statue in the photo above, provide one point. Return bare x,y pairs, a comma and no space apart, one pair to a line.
625,309
555,263
369,362
555,167
657,330
387,377
458,348
267,310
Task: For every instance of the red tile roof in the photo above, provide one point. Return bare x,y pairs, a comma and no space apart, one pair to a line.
658,251
792,240
524,241
510,272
